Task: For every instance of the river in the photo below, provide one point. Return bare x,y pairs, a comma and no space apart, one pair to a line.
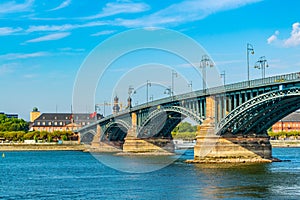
78,175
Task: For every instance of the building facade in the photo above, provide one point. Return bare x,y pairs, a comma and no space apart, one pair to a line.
288,123
63,121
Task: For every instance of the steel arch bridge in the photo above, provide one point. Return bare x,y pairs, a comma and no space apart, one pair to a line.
240,108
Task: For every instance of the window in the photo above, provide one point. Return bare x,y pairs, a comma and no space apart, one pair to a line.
55,123
60,123
55,117
38,123
66,117
49,123
44,123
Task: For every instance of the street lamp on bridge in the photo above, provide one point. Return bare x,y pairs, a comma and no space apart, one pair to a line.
191,85
148,84
249,49
174,74
205,62
168,91
223,76
262,63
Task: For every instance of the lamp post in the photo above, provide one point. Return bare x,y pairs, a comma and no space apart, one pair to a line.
148,84
262,63
249,49
223,76
130,91
174,74
205,62
191,85
168,91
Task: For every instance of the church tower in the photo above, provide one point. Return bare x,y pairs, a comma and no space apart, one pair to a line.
34,114
116,107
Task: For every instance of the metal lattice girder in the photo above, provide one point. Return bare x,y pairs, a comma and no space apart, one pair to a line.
87,137
178,109
144,128
116,125
264,125
242,116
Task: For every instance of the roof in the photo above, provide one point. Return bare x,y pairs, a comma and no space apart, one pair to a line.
293,117
66,116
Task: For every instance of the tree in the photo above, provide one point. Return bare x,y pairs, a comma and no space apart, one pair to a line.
13,124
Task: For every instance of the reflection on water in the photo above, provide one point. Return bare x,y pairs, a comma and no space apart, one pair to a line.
78,175
234,181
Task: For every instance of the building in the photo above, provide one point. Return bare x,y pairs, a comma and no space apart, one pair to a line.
63,121
10,115
288,123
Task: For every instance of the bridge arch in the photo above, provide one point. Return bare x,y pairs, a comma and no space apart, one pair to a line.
115,130
261,112
163,120
87,137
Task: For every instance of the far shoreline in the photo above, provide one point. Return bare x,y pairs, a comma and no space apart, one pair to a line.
82,147
42,147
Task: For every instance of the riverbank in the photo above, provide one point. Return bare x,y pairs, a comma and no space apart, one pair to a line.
42,147
285,143
81,147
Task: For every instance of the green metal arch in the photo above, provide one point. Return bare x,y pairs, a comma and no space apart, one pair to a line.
177,109
119,123
82,135
259,108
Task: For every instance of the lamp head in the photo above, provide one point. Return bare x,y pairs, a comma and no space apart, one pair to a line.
252,52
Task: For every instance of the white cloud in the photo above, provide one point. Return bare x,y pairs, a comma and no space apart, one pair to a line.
50,37
9,30
13,7
106,32
64,27
62,5
273,37
15,56
186,11
120,7
294,39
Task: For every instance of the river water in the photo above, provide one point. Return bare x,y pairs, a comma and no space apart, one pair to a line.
78,175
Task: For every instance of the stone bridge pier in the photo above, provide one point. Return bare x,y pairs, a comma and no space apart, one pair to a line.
133,144
212,148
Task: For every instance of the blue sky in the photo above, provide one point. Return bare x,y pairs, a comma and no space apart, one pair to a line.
44,44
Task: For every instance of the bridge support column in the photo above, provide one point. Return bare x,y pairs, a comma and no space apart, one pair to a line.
99,146
232,148
134,145
211,148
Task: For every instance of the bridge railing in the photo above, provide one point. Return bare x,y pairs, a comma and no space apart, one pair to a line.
220,89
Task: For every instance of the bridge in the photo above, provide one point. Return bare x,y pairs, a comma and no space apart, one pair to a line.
232,120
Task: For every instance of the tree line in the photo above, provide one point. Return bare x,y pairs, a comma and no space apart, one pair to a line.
43,136
13,124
